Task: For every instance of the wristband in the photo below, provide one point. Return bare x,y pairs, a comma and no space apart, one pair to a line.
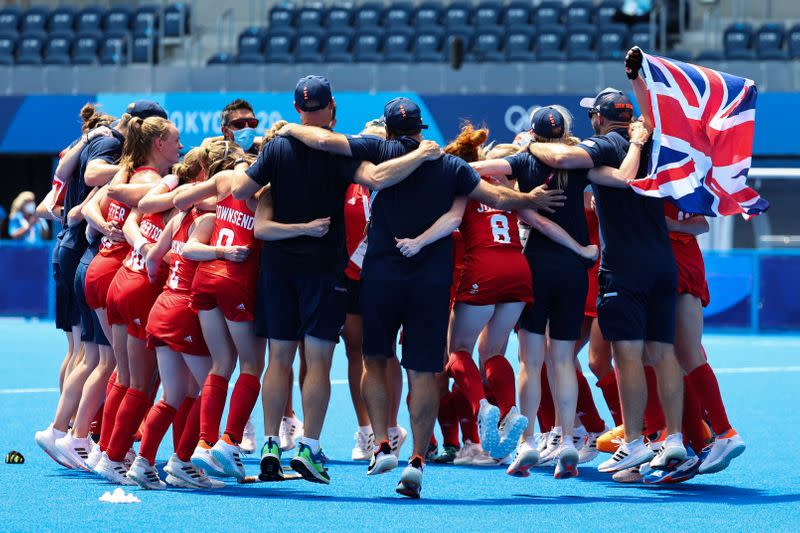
640,144
171,181
139,243
240,161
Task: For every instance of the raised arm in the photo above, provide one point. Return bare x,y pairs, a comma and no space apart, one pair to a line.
162,246
393,171
444,226
633,66
694,225
557,234
510,200
192,195
318,138
622,176
267,229
557,155
198,249
492,167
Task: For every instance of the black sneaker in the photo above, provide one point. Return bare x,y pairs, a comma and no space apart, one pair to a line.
447,456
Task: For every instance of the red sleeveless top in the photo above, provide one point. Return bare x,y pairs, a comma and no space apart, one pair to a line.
234,226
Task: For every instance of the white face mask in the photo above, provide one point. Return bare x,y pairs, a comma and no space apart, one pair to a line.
29,208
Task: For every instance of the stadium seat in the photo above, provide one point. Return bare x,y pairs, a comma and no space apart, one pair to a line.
10,18
518,13
85,48
397,46
580,43
89,19
8,46
579,12
548,13
279,44
488,46
57,49
221,58
611,42
768,42
367,46
427,15
251,41
549,44
710,55
397,16
281,17
428,46
29,49
144,48
339,17
337,46
639,35
309,46
118,19
793,41
736,41
519,44
145,21
114,49
457,15
34,20
607,11
61,19
177,18
368,16
309,17
488,14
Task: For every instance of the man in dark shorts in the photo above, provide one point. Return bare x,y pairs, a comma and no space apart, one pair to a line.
301,293
638,279
410,292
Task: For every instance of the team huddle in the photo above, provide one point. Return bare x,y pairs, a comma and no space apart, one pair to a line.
171,270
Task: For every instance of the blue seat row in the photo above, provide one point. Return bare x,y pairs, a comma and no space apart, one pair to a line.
770,41
87,48
120,18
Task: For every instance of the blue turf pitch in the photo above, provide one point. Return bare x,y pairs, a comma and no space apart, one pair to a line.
759,377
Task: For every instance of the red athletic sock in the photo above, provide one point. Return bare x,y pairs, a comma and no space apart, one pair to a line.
113,401
243,399
653,413
547,409
180,419
131,412
706,385
500,379
587,410
693,426
155,427
191,433
608,386
448,420
465,373
215,392
466,418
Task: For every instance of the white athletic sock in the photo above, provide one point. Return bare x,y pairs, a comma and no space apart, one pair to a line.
311,443
365,430
635,444
58,433
531,441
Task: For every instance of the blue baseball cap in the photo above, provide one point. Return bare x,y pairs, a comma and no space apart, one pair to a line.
312,93
548,122
145,109
612,105
403,115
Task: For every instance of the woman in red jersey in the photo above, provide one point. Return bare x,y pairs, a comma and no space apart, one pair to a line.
151,148
223,294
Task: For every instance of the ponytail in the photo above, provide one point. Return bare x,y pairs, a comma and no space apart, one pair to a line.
92,117
468,144
139,140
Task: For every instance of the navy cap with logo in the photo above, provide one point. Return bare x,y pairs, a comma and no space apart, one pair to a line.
548,122
145,109
403,115
312,93
612,105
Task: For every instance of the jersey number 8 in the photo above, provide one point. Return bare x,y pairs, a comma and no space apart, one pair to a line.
500,229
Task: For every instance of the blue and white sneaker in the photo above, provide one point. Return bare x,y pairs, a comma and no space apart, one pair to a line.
488,422
684,471
511,429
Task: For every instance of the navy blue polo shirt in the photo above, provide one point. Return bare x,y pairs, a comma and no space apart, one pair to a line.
409,208
633,227
530,173
306,184
108,149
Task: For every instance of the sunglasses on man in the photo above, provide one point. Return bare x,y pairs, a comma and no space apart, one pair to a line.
241,123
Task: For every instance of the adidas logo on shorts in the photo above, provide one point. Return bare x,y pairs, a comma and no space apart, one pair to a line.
137,321
241,307
474,289
188,338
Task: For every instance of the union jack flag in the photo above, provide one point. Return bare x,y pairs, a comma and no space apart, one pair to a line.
702,139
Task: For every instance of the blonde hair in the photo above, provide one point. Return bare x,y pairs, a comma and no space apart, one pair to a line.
139,140
499,151
91,118
222,155
194,162
468,145
21,199
269,134
567,138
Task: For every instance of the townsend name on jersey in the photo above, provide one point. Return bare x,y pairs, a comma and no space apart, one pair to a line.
235,217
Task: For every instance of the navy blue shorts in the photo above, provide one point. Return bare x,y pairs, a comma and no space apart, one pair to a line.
353,296
423,311
64,267
559,297
291,306
637,308
91,331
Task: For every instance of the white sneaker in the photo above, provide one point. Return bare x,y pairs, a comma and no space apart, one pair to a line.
468,452
130,457
290,432
411,479
579,435
94,456
365,442
382,460
227,455
248,444
46,439
589,451
525,458
482,458
112,471
549,455
512,427
488,426
202,458
628,455
725,448
671,454
397,436
188,476
567,462
75,450
145,475
629,475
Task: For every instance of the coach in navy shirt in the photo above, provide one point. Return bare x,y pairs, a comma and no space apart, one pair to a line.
410,292
638,279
